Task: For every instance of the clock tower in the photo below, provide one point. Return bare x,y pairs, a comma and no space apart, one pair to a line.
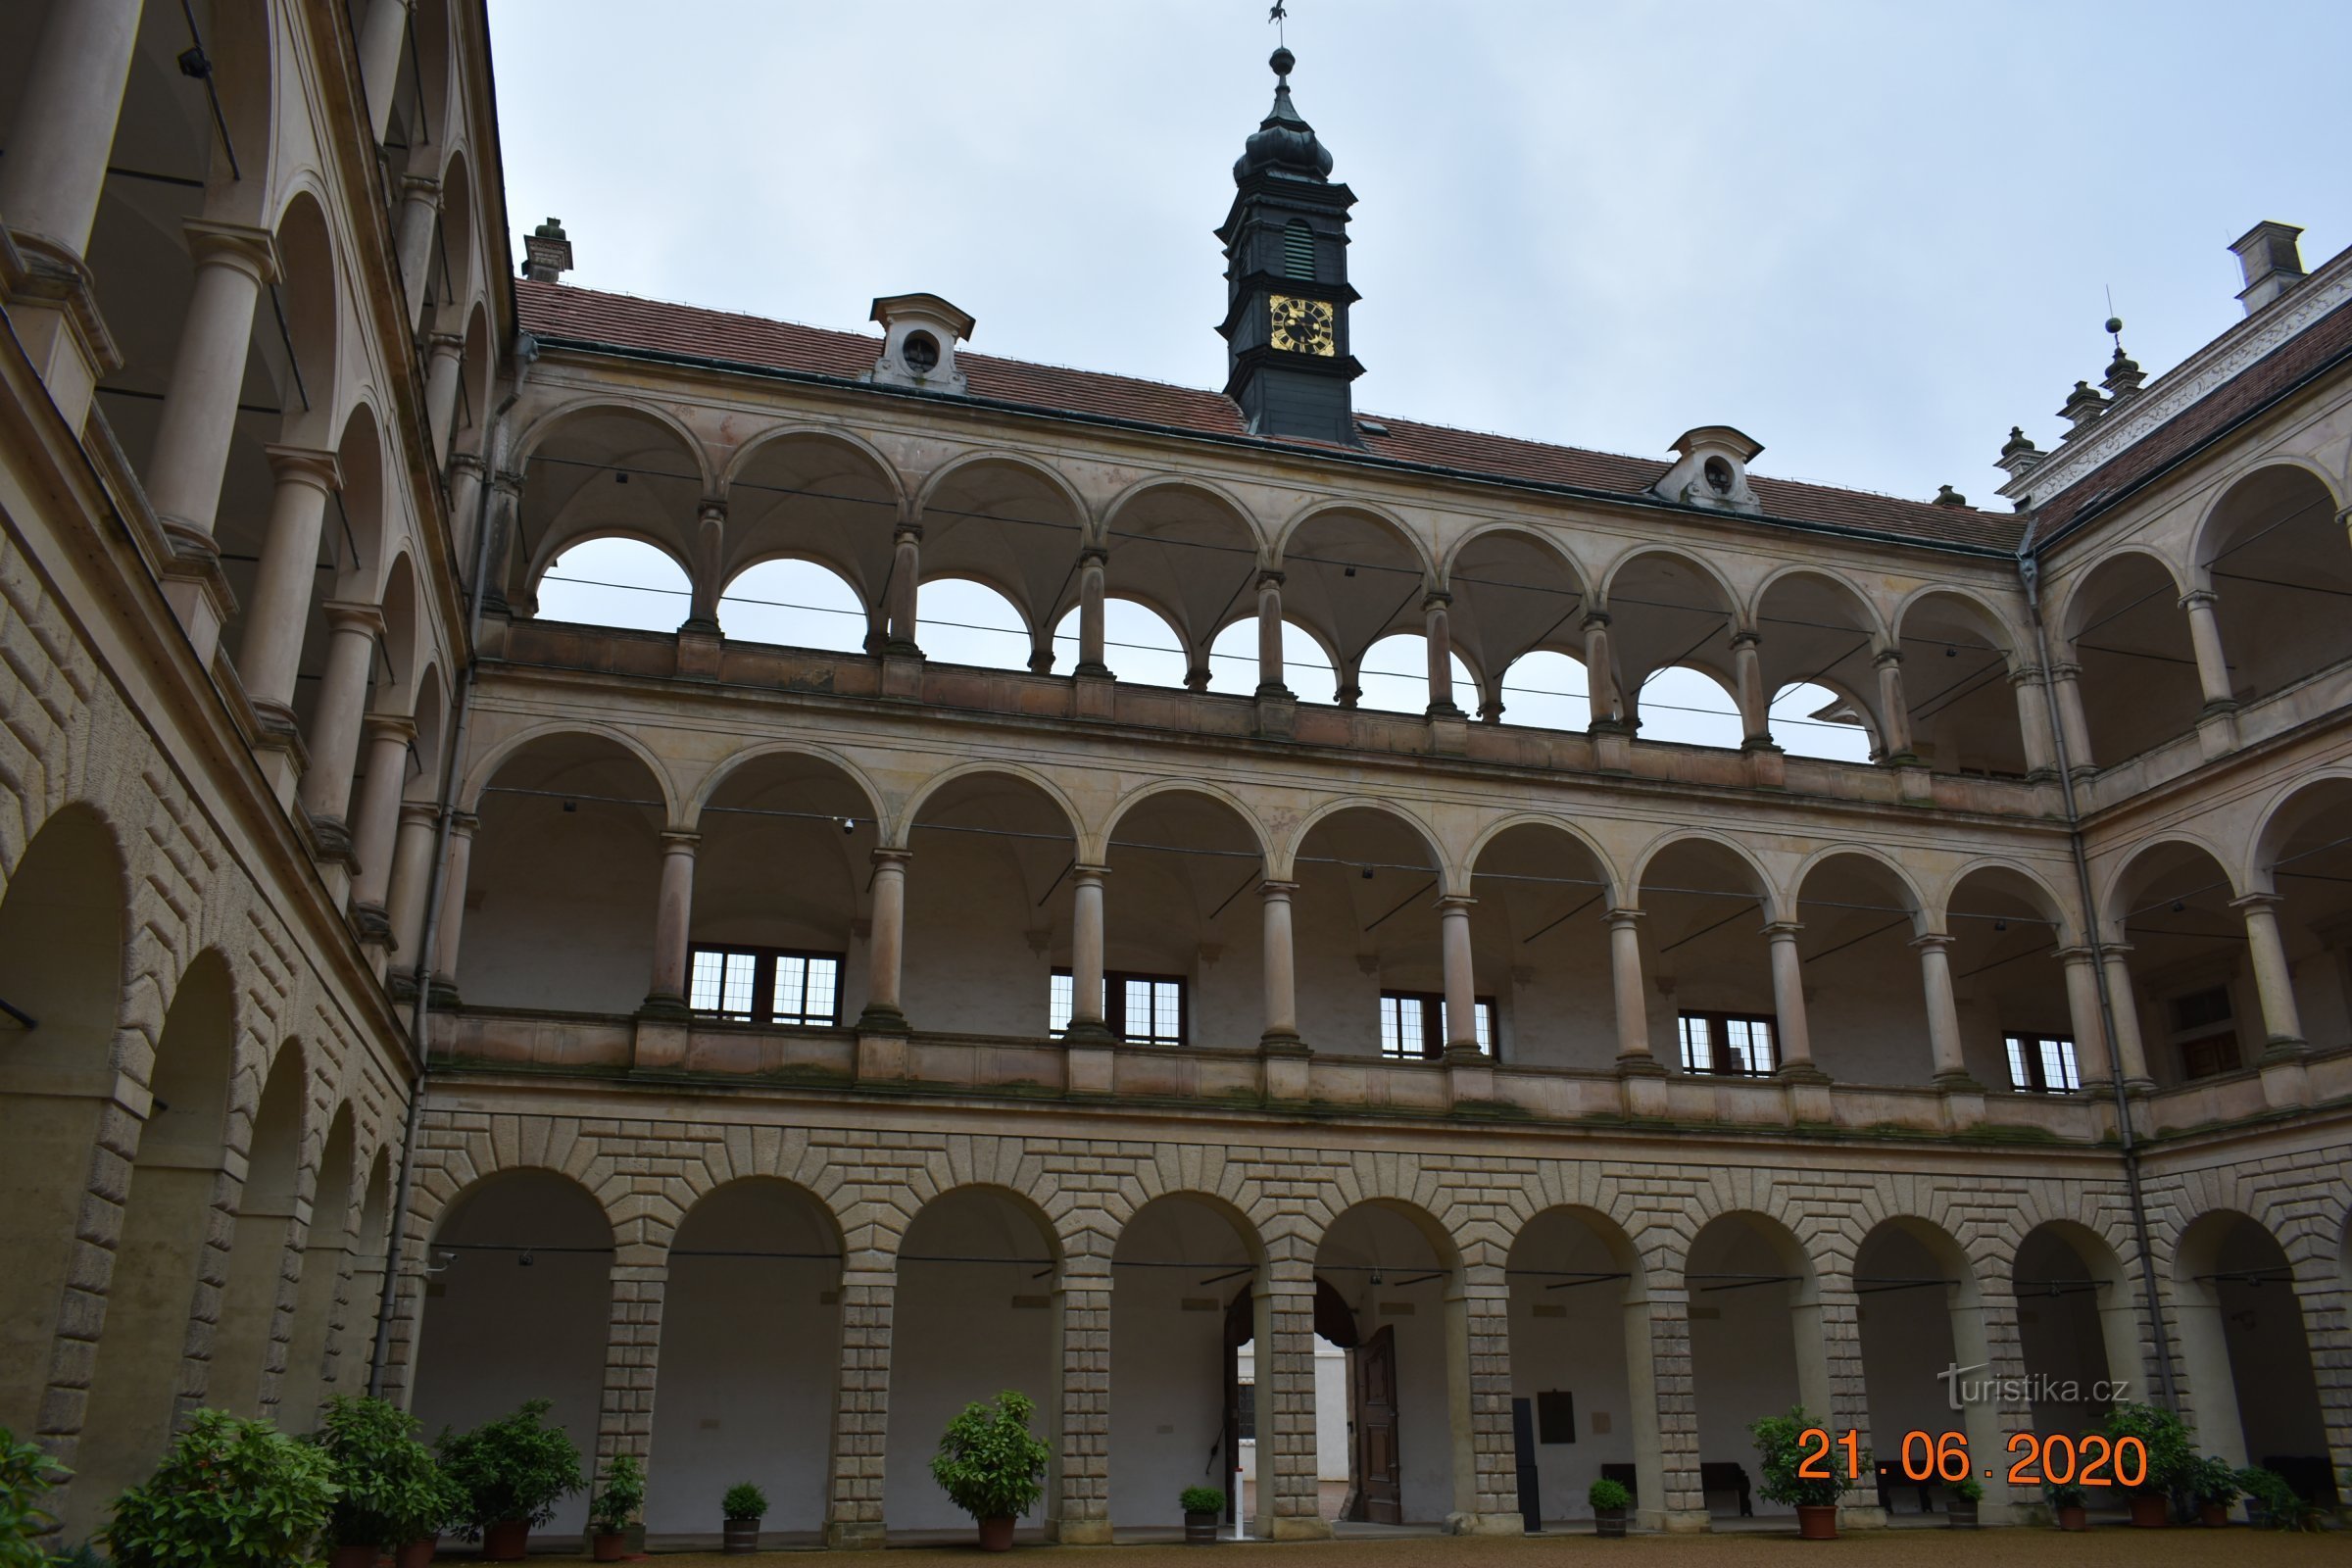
1285,280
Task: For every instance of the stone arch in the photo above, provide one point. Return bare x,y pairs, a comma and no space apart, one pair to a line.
312,286
1962,660
1099,840
327,1261
2214,522
1516,590
1581,1322
1052,477
1153,485
1489,832
2136,862
690,815
2079,1318
2244,1345
810,493
454,278
1872,620
602,465
269,1213
1286,851
2025,880
1764,1349
1767,887
931,788
2291,807
2067,612
1921,1302
1921,905
496,757
1355,573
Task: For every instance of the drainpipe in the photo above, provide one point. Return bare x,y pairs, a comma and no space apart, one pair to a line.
527,350
2030,576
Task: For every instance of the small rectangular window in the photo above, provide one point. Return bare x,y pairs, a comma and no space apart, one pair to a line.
1729,1045
1246,1415
2042,1064
1412,1024
1145,1010
766,985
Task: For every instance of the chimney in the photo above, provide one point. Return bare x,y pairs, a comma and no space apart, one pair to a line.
546,253
2271,262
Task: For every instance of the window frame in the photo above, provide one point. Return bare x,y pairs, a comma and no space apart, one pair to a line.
2027,1051
1484,1012
1720,1061
1114,1005
763,984
2215,1039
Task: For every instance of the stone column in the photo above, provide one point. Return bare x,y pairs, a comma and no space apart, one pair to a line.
1897,714
632,1361
1660,1383
884,942
382,36
2083,1010
1461,985
1086,956
281,608
709,559
1634,1053
64,133
2205,636
2128,1048
465,508
673,921
862,1400
451,925
1789,1005
352,629
1437,627
1943,1014
1755,708
200,407
419,207
447,351
1269,635
1831,1380
2282,1020
2073,724
1477,1337
377,822
411,867
2033,722
505,496
1289,1509
1600,673
1091,563
1282,1007
905,575
1078,1507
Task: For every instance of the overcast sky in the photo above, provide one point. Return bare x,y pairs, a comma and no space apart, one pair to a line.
1873,236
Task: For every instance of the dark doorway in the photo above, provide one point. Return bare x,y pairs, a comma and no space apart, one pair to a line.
1379,1473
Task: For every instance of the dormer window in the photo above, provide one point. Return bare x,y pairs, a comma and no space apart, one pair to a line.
922,353
1299,251
1720,477
919,334
1710,470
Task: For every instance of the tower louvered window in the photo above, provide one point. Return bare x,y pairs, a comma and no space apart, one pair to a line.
1298,251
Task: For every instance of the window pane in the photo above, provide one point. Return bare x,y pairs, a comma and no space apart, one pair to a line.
1486,1026
1167,1013
1410,1036
2058,1065
2019,1076
1058,1004
1135,1004
824,990
708,970
1696,1057
1392,1028
792,985
742,970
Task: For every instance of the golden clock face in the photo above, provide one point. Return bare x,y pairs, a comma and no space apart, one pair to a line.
1300,326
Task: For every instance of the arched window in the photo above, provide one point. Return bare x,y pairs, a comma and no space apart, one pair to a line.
1812,720
615,581
1298,250
797,604
1139,647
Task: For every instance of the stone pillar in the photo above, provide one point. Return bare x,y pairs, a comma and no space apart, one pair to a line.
884,944
2281,1021
377,822
1289,1509
506,495
411,867
1282,1006
632,1361
861,1402
1789,1005
451,926
673,922
419,207
1091,563
2033,722
1634,1053
2205,636
2326,1302
200,407
2128,1048
1269,635
1438,628
1943,1014
1986,1331
1078,1507
709,560
1461,985
1755,707
1477,1341
1661,1384
64,133
1086,956
1831,1380
1897,713
2073,724
383,35
447,351
905,575
2083,1010
464,509
1601,672
280,608
352,631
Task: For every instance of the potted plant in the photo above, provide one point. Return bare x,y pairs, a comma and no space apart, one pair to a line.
1609,1501
229,1493
2065,1499
1781,1450
989,1464
1203,1507
509,1475
2213,1487
2271,1502
392,1492
745,1505
1961,1511
2170,1456
617,1503
26,1473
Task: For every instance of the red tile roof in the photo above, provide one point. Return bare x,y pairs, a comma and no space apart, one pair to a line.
2315,349
651,326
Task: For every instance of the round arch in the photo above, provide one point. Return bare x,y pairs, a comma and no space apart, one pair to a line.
1762,1351
1288,851
487,767
2245,1348
1581,1335
1765,886
935,786
2077,1324
728,766
1101,840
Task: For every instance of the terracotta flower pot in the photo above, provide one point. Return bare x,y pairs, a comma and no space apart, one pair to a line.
1960,1514
354,1557
608,1545
1200,1527
1817,1521
996,1534
741,1537
2074,1516
418,1554
2150,1510
2213,1515
1609,1523
506,1541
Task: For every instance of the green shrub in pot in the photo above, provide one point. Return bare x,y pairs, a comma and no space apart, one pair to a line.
229,1493
392,1490
514,1468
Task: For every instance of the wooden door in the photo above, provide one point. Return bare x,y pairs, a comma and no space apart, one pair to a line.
1379,1476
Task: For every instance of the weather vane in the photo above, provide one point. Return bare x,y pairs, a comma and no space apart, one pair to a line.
1279,14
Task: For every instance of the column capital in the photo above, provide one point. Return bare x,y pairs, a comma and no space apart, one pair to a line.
466,462
1089,873
1932,942
2199,599
1745,638
461,824
421,813
1595,621
353,614
2063,669
445,345
305,465
2256,900
1456,903
375,726
1268,577
1887,658
711,509
2076,955
906,531
1435,599
508,481
680,840
1782,930
2117,949
1271,889
1093,555
1623,919
2026,676
886,857
250,251
419,188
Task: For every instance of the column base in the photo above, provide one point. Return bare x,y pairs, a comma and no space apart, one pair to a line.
1286,1072
1277,717
902,671
1300,1526
1644,1065
701,649
1800,1072
53,311
1917,784
1088,1032
1612,748
1282,1043
1449,732
666,1007
2285,1079
196,588
2216,730
1767,767
370,924
1956,1081
1090,1068
881,1058
854,1535
661,1042
880,1020
1078,1532
1485,1524
1096,692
